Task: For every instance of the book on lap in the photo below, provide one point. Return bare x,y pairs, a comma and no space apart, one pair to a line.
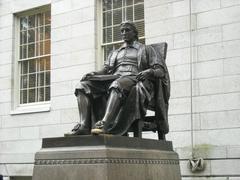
107,77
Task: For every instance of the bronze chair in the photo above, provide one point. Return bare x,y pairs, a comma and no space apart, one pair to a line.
159,104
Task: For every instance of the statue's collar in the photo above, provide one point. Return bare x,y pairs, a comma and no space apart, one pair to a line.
135,45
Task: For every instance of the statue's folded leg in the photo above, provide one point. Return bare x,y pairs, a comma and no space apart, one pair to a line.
84,108
112,109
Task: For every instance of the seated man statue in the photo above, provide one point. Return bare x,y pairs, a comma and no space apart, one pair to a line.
111,99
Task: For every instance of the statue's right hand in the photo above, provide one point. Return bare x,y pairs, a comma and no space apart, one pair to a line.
87,76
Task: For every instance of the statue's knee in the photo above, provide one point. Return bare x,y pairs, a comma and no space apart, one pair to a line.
81,96
117,95
79,92
116,92
82,87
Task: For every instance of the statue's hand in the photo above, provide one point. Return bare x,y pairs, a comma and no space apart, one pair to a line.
144,75
87,76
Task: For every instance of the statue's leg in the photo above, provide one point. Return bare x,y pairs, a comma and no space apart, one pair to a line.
113,106
84,108
112,109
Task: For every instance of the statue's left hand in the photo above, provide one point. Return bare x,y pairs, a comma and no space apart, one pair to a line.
144,75
87,76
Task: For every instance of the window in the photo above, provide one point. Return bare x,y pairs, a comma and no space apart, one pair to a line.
34,57
113,13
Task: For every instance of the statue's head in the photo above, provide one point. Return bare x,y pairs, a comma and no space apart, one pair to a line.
129,31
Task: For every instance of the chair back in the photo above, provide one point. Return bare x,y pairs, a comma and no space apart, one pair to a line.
161,50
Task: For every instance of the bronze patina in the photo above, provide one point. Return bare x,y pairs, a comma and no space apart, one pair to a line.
110,100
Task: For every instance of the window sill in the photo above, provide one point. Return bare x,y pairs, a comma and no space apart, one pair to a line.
33,108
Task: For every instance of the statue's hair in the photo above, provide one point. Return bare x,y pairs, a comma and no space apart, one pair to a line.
133,26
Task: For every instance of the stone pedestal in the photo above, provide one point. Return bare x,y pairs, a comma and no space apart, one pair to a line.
106,158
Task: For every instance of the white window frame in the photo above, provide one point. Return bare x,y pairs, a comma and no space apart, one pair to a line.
16,107
99,52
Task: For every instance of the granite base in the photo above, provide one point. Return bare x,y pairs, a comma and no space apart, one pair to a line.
106,158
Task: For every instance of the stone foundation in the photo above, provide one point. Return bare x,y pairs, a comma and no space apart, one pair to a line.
106,158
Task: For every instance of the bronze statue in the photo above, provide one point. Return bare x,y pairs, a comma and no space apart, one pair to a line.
111,99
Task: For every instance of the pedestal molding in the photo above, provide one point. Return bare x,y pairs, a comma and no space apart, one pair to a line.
105,161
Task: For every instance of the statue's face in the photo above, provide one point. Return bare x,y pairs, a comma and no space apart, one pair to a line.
127,33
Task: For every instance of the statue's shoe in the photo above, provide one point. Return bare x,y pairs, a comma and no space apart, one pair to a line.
97,131
78,130
99,128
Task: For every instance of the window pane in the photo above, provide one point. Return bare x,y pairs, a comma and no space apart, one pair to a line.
41,48
47,47
31,21
41,94
37,49
139,12
138,1
23,95
107,18
23,52
24,80
42,62
116,33
129,13
47,32
117,16
107,34
47,17
116,46
32,80
41,79
107,5
31,35
47,93
107,50
129,2
39,35
48,65
40,19
32,95
23,23
117,4
140,27
32,66
47,80
142,41
23,37
24,69
31,50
